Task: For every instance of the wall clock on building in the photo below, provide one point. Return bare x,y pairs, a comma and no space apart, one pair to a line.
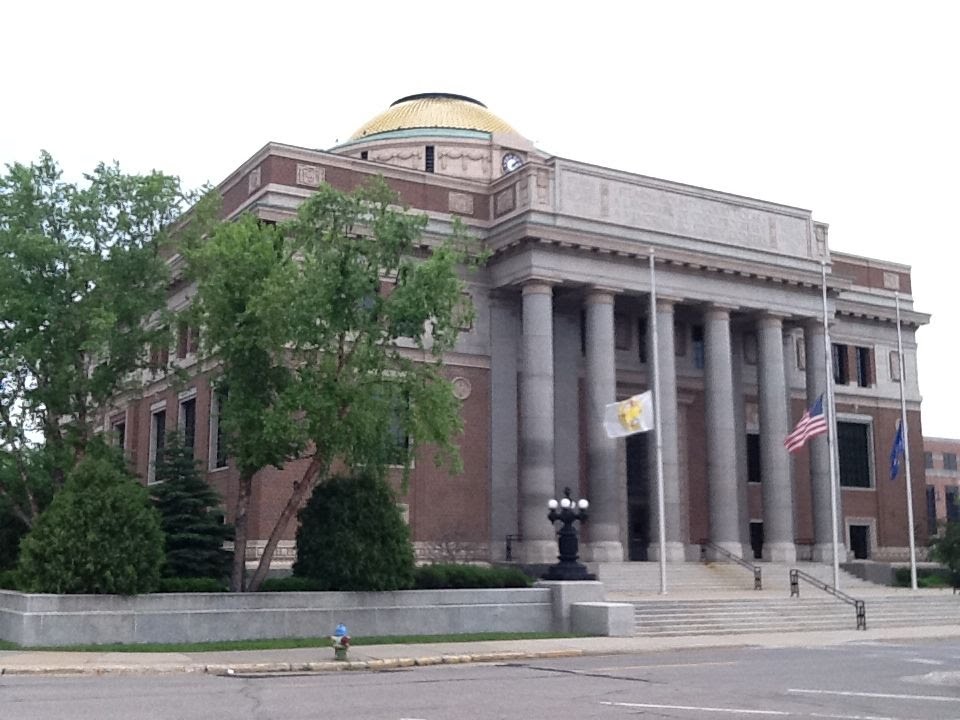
510,162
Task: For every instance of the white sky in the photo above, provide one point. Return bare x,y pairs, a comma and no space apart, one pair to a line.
849,109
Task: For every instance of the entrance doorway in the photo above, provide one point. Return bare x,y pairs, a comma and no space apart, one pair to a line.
860,541
638,496
756,539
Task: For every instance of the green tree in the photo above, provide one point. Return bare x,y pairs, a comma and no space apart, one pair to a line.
83,274
352,537
190,516
330,331
99,535
945,549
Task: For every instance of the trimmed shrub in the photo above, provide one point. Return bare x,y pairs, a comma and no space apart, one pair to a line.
191,585
99,535
452,576
290,584
12,531
190,517
352,537
8,580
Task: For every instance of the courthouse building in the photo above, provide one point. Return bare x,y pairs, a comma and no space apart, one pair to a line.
563,327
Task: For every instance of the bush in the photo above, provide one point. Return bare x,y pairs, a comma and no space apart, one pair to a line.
290,584
12,531
190,517
191,585
352,537
926,577
99,535
8,580
432,577
945,549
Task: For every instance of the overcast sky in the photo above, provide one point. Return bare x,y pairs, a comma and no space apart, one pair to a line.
849,109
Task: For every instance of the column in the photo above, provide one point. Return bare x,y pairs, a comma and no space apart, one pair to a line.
778,542
536,424
504,432
819,452
666,355
721,443
605,545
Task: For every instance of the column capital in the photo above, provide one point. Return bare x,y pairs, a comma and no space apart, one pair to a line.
666,300
719,310
767,319
600,294
537,286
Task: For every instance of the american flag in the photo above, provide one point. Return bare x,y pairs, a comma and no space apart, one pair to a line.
813,423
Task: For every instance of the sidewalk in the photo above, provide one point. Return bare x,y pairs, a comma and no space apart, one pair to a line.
384,657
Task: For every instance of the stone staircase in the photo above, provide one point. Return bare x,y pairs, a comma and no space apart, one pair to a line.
718,599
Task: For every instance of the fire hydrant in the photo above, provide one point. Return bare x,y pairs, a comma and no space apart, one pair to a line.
340,640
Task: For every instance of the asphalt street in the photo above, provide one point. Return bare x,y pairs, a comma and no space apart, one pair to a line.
916,680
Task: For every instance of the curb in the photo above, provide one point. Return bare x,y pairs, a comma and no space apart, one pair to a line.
269,668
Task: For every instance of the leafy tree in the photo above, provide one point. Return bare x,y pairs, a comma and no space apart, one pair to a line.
352,537
83,272
330,331
99,535
945,549
191,518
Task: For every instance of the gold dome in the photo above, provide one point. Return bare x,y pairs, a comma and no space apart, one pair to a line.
434,110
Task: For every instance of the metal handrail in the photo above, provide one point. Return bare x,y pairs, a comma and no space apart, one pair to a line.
859,606
757,575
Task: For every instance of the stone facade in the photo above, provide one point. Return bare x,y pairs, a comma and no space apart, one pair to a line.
564,327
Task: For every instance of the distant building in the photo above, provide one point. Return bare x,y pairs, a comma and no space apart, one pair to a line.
563,327
943,481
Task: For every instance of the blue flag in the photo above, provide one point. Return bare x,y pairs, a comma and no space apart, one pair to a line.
895,452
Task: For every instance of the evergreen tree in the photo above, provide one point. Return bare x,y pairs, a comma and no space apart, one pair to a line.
191,517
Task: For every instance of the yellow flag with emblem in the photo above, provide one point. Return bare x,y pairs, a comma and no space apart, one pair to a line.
633,415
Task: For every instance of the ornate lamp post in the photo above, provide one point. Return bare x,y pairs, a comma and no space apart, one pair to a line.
567,511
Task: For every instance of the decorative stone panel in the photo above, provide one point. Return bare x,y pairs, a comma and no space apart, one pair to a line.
253,180
461,203
505,201
891,281
309,175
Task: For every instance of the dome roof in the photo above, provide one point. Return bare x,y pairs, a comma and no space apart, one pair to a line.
434,110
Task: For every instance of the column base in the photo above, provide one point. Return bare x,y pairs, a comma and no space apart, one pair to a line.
604,551
674,551
783,552
538,552
823,553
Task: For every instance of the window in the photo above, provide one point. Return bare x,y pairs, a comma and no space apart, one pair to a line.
679,340
928,460
853,446
753,458
864,367
399,449
696,333
801,354
188,339
642,340
952,497
218,449
119,428
841,365
363,155
931,510
188,422
750,348
159,357
158,440
949,461
429,159
621,332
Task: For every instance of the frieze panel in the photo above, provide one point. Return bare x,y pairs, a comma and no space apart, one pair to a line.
891,281
505,201
253,180
662,210
309,175
461,203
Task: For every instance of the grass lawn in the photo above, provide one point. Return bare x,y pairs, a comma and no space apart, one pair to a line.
287,643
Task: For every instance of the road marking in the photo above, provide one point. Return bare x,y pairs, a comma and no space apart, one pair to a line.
656,667
889,696
746,711
925,661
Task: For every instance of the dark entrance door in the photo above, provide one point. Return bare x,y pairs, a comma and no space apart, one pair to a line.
756,539
638,497
860,541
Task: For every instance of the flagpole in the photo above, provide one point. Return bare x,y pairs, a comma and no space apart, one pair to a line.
831,426
906,449
656,418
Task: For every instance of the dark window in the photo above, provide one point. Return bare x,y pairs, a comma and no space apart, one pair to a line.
928,460
188,421
159,357
621,332
854,451
183,333
193,339
864,367
399,449
220,449
160,431
931,510
642,340
429,163
953,504
363,154
753,458
120,434
949,461
841,365
750,348
696,333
